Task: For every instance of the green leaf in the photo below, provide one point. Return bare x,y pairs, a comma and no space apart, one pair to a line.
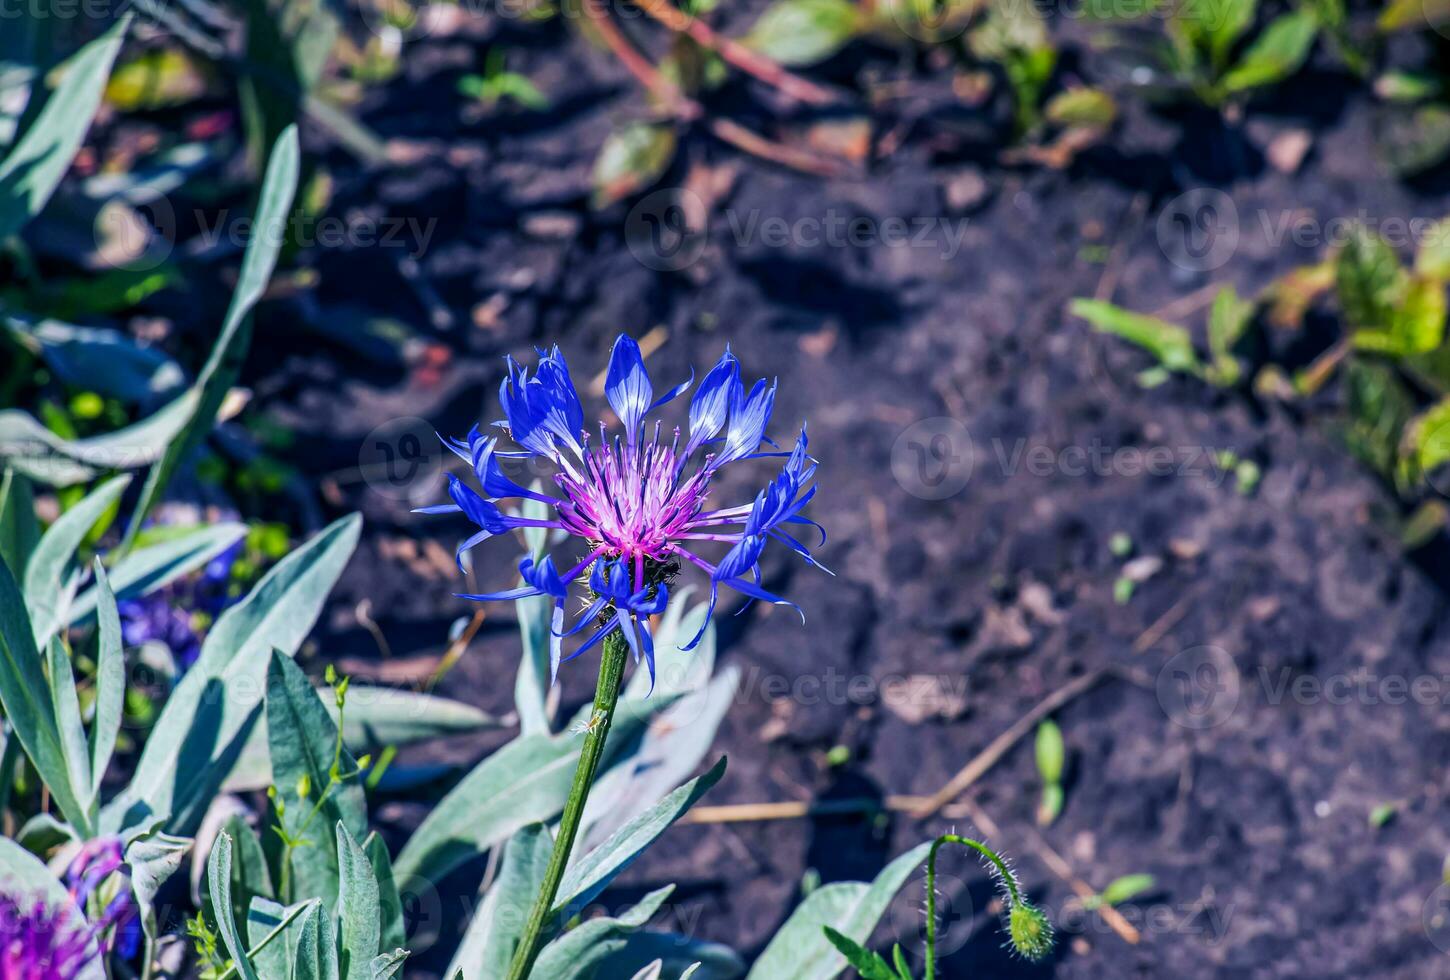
386,966
493,934
219,877
803,32
25,696
800,949
72,730
1369,281
302,738
390,904
205,723
1432,258
1228,321
153,859
1228,19
316,957
526,781
19,530
22,873
592,873
251,877
1416,15
45,457
1088,107
579,952
279,187
1169,343
105,361
681,957
50,578
359,908
110,683
275,932
531,686
870,965
1127,887
1426,444
1278,52
381,716
33,168
1051,752
633,158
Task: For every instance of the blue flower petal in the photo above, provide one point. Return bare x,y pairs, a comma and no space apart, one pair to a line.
627,385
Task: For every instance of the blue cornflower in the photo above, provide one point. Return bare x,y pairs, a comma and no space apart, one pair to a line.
637,503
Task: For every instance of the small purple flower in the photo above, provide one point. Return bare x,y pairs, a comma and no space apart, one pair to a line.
638,503
178,615
117,921
37,941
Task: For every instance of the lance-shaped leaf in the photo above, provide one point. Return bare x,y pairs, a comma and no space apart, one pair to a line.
72,730
801,951
39,159
303,740
279,188
219,876
110,683
578,953
209,715
19,530
526,781
50,578
153,859
358,909
493,934
25,696
592,873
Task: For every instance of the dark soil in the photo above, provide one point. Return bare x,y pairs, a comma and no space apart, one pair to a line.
1256,828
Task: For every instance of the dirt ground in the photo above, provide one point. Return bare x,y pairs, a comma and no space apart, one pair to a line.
979,448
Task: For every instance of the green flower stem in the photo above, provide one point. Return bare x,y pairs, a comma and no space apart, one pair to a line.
606,697
1002,870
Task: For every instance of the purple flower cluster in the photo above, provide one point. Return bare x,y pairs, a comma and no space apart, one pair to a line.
37,942
117,924
636,500
177,616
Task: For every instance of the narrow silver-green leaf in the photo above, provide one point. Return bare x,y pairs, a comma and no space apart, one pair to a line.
386,966
592,873
72,729
19,530
219,877
49,578
209,715
801,951
110,682
578,953
303,738
34,166
390,905
524,782
279,188
493,934
25,696
153,859
358,909
531,684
